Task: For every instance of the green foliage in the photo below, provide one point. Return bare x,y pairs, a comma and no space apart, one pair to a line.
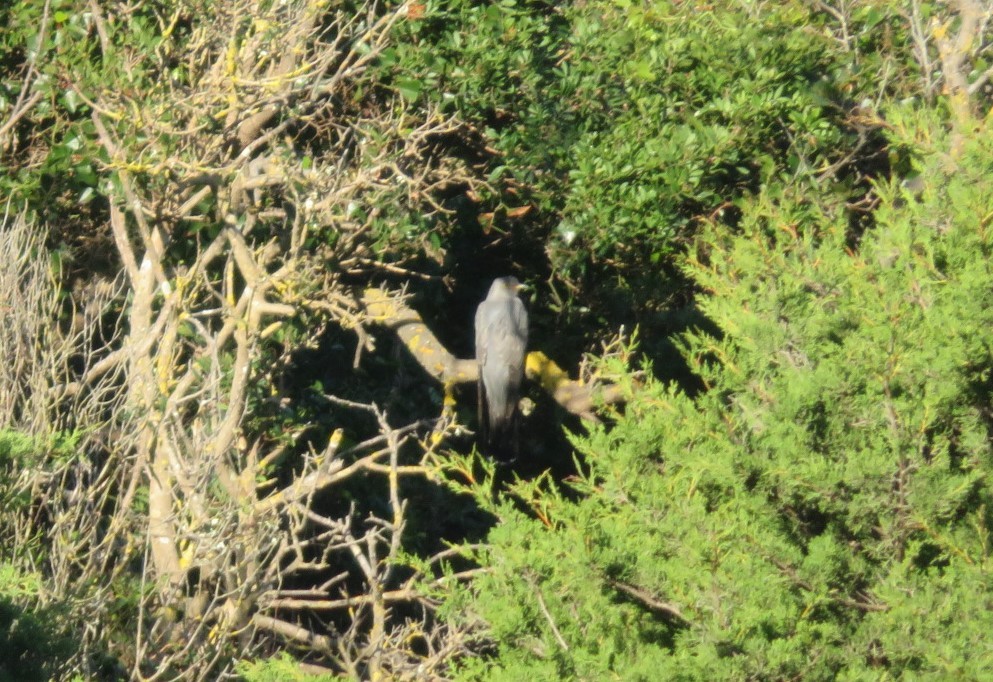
32,645
698,105
55,38
280,668
22,449
17,585
629,123
18,451
821,511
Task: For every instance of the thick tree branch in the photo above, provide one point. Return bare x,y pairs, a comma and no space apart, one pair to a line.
390,310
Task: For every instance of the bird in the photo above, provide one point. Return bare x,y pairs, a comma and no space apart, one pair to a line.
501,343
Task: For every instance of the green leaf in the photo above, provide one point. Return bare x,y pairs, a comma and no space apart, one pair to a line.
409,88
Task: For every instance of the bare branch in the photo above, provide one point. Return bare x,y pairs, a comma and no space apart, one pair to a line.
647,599
296,633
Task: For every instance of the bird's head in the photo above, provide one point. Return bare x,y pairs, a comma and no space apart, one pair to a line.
506,286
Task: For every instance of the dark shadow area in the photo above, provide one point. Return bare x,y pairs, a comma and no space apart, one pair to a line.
564,323
388,376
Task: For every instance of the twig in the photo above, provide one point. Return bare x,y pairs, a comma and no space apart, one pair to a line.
645,598
548,617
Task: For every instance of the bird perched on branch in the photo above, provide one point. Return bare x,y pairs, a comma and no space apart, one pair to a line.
501,342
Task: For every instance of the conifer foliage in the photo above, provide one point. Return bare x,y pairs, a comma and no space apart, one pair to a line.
822,510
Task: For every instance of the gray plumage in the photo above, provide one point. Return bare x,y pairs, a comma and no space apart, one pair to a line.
501,343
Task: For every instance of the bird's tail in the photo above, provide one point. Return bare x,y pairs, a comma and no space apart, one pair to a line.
503,437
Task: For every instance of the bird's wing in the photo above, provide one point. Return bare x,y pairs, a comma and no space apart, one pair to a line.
517,340
502,366
520,315
482,409
481,332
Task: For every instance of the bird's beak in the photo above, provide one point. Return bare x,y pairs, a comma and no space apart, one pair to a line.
522,287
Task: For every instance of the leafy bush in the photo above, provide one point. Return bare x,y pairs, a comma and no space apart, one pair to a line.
630,123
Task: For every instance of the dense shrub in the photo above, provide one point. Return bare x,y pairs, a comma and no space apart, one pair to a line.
629,124
822,511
